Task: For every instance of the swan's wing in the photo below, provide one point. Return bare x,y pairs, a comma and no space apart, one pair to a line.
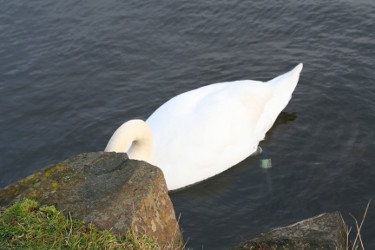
204,132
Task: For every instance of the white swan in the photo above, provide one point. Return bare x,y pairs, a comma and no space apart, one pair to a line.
202,132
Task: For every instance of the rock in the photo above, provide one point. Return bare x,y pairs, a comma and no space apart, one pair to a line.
106,189
325,231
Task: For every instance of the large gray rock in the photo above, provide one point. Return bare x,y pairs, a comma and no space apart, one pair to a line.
325,231
106,189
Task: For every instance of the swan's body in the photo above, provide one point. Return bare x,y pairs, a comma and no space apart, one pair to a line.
205,131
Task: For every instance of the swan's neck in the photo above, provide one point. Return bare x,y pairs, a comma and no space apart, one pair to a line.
133,136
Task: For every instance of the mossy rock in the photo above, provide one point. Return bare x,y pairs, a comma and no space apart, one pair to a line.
106,189
27,225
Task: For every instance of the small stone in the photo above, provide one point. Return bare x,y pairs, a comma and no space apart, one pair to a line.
323,232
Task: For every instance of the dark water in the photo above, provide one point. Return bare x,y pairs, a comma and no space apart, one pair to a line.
72,71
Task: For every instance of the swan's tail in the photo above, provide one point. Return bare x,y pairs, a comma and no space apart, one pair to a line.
286,83
283,86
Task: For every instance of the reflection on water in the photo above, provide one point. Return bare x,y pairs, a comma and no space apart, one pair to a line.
266,164
283,118
267,173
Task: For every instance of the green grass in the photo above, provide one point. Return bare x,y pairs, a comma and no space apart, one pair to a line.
27,225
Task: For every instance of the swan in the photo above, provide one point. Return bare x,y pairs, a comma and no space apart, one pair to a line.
205,131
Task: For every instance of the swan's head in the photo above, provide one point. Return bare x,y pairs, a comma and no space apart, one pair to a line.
133,137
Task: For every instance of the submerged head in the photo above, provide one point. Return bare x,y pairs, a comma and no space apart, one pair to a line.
133,137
